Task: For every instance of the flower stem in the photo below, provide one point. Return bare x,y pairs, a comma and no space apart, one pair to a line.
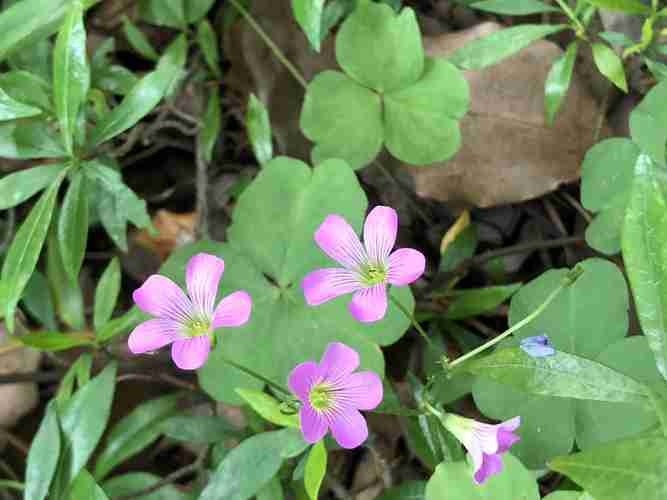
259,377
411,318
270,43
568,280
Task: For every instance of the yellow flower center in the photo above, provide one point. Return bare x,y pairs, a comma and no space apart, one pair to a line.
196,328
320,397
372,274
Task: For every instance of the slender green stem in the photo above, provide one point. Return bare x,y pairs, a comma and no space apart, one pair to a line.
573,17
570,278
259,377
4,483
411,318
270,43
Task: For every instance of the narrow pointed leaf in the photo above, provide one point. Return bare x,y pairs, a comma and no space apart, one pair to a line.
259,130
308,14
17,187
558,82
208,43
43,456
316,468
138,40
610,65
73,226
106,294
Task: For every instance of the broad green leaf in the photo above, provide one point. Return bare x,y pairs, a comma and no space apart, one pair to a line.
84,486
645,253
36,57
647,123
38,302
210,130
498,45
343,118
259,129
316,468
616,38
468,303
197,428
67,294
610,65
196,9
107,76
138,40
271,267
249,466
558,82
513,7
27,88
17,187
568,495
53,341
308,14
208,42
658,69
25,249
631,468
122,324
134,482
29,138
407,490
78,372
268,408
43,456
453,481
630,6
11,109
73,225
604,232
380,49
144,96
71,74
273,490
84,418
134,432
169,13
106,294
421,121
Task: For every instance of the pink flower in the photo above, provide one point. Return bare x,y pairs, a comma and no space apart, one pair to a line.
331,396
484,442
367,269
185,322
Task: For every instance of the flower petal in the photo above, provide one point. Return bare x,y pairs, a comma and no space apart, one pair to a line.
537,346
161,297
202,276
369,304
380,231
349,428
302,377
405,266
233,310
191,353
325,284
153,334
505,436
491,464
339,241
337,362
362,390
313,425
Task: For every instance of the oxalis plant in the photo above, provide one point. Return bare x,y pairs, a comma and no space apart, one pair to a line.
286,318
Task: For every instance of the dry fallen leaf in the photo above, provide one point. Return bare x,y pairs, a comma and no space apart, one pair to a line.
173,230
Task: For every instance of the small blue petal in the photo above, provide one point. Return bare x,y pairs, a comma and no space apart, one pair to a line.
538,346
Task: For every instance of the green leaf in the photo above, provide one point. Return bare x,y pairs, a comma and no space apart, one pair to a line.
134,432
453,481
208,42
513,7
106,294
308,14
73,226
498,45
249,466
210,131
610,65
29,138
407,490
67,294
196,9
11,109
380,49
138,40
645,254
17,187
134,482
170,13
271,267
316,468
43,456
268,408
25,249
27,88
273,490
421,125
197,428
71,74
79,371
84,418
343,118
468,303
259,130
38,302
632,468
630,6
558,82
646,123
458,243
53,341
144,96
84,486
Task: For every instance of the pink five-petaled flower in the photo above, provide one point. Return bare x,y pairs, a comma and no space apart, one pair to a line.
484,442
185,322
331,396
367,268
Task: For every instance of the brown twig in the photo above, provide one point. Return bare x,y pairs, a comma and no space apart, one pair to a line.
480,259
14,441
